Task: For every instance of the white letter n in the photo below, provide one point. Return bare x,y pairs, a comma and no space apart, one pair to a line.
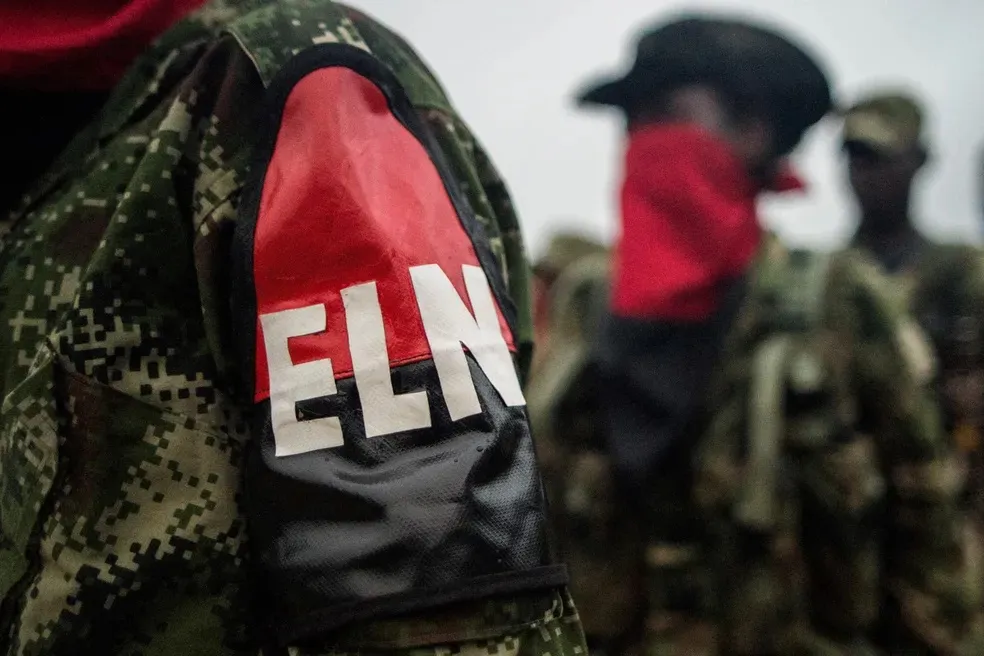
290,383
448,324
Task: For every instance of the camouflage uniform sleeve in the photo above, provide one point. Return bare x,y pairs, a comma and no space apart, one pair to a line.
525,622
122,441
892,365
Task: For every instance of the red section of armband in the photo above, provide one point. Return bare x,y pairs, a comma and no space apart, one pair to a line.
351,196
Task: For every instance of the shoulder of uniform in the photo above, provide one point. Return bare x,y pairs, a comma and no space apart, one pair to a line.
943,250
422,85
868,304
857,275
272,33
974,277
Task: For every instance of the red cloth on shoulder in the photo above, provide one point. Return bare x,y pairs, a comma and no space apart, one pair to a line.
79,45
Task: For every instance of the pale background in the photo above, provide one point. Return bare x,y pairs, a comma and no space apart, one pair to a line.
512,67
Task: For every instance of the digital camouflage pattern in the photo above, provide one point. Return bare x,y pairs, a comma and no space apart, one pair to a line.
121,437
945,293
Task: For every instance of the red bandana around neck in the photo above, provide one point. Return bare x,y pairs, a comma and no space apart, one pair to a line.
689,222
79,45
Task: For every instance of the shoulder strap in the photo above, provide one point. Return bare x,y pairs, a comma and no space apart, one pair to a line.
799,290
756,505
794,287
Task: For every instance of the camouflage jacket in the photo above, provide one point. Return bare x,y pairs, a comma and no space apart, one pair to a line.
826,490
126,376
852,543
944,291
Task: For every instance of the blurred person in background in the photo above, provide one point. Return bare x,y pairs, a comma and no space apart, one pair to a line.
598,538
241,249
564,249
768,416
884,143
884,139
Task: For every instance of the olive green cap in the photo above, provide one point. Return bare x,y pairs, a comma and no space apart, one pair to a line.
888,123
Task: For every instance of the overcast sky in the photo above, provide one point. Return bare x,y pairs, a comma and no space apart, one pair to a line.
511,67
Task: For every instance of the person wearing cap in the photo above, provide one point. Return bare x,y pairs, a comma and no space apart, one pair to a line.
767,411
941,284
885,147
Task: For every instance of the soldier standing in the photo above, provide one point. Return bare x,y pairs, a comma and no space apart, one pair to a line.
883,139
821,514
233,302
941,284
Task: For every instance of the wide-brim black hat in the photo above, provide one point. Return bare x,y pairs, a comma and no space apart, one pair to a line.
660,59
744,60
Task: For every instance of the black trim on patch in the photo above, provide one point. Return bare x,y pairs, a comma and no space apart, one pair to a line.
541,578
345,534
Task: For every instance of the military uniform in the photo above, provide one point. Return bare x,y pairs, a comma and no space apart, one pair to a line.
942,285
768,535
945,292
126,424
770,420
832,488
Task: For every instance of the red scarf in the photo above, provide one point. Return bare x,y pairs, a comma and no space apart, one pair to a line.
76,45
689,222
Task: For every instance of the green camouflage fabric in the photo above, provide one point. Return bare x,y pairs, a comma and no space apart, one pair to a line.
595,536
945,293
825,491
564,250
121,438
